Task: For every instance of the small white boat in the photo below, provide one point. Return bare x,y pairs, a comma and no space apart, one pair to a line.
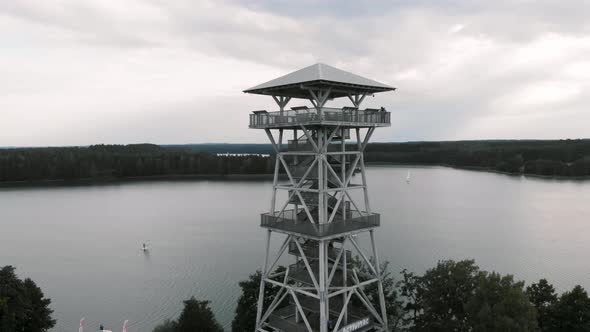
408,177
102,329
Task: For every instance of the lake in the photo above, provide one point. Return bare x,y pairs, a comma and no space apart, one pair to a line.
81,244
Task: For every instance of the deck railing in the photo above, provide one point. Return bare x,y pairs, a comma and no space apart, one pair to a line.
288,222
327,115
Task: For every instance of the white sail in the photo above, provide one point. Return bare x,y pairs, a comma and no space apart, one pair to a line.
125,325
81,328
408,177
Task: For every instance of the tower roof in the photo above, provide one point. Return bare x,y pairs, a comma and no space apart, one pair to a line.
321,76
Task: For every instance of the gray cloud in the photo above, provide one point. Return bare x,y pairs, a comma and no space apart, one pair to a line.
101,71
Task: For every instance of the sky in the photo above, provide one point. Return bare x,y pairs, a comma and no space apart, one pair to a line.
80,72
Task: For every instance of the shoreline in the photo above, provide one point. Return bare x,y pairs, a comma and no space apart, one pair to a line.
148,178
243,177
484,169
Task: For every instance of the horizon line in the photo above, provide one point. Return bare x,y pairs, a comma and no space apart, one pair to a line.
230,143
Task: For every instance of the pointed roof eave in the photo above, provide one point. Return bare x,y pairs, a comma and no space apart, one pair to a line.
322,76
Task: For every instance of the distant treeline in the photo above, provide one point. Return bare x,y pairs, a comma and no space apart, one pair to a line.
225,148
549,158
121,161
538,157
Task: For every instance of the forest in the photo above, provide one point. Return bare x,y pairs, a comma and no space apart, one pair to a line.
566,158
538,157
121,161
451,296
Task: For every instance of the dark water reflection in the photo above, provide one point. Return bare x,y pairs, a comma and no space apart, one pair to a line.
83,244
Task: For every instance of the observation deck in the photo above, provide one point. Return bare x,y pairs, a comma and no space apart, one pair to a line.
288,223
326,116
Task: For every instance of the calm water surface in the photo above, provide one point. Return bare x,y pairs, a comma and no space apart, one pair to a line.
82,244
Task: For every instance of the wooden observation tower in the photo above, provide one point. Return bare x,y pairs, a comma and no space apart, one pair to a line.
326,209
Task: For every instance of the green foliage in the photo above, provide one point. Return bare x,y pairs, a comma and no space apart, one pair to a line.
410,290
499,304
570,313
540,157
167,326
245,314
457,296
440,295
118,161
230,148
23,307
542,295
3,304
552,158
196,316
452,296
393,304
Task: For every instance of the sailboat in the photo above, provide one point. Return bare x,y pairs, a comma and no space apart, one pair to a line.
144,246
408,177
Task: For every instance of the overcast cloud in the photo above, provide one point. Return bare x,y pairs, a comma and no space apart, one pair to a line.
78,72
